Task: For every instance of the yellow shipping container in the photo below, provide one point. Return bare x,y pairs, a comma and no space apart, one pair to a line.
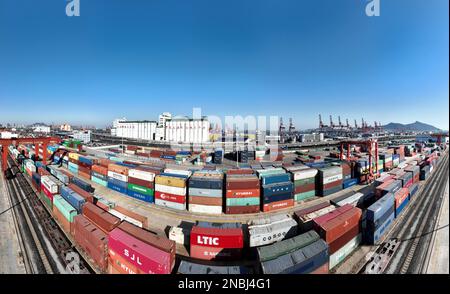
74,155
170,181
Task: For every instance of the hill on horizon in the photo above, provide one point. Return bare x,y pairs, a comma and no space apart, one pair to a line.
415,126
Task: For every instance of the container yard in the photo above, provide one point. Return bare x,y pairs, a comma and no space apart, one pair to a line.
306,213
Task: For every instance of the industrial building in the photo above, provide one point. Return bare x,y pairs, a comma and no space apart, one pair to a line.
187,130
144,129
84,136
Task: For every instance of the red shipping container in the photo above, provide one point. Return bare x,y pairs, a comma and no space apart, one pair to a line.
170,197
331,185
47,193
304,211
103,219
219,238
140,218
86,195
64,223
144,256
243,193
400,196
305,188
215,253
332,214
242,209
338,226
100,169
242,171
84,166
215,201
120,265
239,184
344,239
84,175
140,182
278,205
118,169
104,162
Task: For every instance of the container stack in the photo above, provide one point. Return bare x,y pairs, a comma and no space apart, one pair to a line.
340,229
73,198
413,190
133,250
141,183
218,156
242,192
387,161
379,217
271,229
118,178
92,240
391,186
395,160
305,216
260,152
302,254
49,188
171,188
401,200
85,166
329,180
73,162
415,171
424,173
277,189
206,192
99,217
99,175
304,179
212,241
400,151
64,213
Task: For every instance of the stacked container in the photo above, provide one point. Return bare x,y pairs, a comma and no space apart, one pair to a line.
141,183
424,173
211,241
73,198
64,213
242,192
49,188
391,186
277,189
85,166
395,160
401,200
329,180
271,229
303,254
101,218
99,175
415,171
304,179
379,217
305,216
170,189
387,161
260,152
340,229
133,250
118,178
92,240
206,192
73,162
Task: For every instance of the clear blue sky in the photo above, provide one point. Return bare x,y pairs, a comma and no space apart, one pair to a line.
293,58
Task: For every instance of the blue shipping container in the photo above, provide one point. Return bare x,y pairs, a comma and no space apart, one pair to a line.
277,197
117,188
73,198
348,183
374,237
205,184
118,182
274,179
399,209
139,196
279,188
83,185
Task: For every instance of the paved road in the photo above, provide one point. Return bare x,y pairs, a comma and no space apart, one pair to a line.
11,261
439,258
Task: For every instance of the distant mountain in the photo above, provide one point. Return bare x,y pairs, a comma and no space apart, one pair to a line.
415,126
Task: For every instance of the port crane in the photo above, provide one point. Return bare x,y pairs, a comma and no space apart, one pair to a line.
372,150
45,141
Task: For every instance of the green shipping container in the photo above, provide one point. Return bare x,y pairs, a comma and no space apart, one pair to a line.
270,172
287,246
65,208
304,181
99,181
243,201
140,189
47,201
305,195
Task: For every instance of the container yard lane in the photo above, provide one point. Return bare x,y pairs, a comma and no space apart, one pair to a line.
11,247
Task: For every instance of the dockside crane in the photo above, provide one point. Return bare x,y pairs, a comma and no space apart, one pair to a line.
321,125
331,122
339,120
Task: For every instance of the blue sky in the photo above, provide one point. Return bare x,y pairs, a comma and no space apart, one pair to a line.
293,58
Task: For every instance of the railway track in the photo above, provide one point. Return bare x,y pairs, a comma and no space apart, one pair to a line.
46,248
399,250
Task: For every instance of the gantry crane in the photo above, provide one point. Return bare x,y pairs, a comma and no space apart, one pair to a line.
45,141
372,149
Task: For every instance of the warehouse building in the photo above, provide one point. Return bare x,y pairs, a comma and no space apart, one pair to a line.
144,129
83,136
187,130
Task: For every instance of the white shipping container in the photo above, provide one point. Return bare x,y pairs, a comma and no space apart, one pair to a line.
270,220
125,218
178,172
142,175
209,209
352,200
331,179
117,176
170,189
179,235
310,216
304,174
344,251
268,234
49,184
169,204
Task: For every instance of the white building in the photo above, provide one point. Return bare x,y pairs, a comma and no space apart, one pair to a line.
187,130
41,129
145,129
84,136
163,117
7,135
314,137
65,127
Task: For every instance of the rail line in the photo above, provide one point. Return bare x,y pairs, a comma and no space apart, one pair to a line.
407,224
44,241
